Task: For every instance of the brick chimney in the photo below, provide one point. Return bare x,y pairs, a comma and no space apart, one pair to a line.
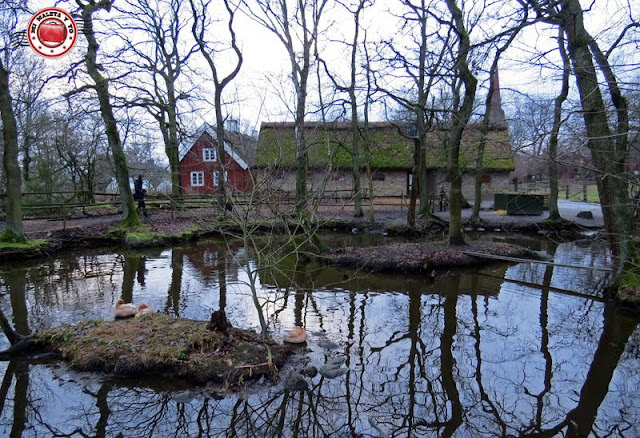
497,120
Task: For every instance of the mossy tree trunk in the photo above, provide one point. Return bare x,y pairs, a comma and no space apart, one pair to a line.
460,119
608,149
101,85
13,215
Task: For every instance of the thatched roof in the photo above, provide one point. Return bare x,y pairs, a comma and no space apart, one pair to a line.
391,147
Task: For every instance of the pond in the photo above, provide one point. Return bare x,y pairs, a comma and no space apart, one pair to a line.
509,350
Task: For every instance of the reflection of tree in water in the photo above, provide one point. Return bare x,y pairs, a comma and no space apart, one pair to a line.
132,266
431,402
175,285
432,368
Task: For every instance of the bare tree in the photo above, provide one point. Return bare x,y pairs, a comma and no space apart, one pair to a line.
355,128
609,150
420,69
492,105
351,88
201,22
554,213
461,117
296,23
28,82
153,37
608,146
9,19
101,86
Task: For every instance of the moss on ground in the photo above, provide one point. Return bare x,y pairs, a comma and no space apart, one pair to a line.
627,289
8,236
136,239
162,345
29,244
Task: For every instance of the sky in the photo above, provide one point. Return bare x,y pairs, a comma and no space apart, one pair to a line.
261,92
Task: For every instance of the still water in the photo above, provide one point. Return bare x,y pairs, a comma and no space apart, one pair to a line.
510,350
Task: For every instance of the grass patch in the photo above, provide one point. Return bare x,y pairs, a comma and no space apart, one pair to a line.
592,195
99,206
29,244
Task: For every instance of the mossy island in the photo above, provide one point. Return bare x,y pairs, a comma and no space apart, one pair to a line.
160,345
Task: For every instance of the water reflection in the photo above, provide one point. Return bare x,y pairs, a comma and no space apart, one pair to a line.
540,354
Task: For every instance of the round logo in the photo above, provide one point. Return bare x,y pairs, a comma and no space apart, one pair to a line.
52,32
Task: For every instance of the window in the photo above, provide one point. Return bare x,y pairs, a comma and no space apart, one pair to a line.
209,154
377,176
197,179
216,178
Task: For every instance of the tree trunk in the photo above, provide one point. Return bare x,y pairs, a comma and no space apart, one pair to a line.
301,157
129,211
460,119
554,213
607,154
13,218
220,133
355,129
171,142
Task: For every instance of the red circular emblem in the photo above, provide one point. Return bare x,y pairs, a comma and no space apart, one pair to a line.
52,32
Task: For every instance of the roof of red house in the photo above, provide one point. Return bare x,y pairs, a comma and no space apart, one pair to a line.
239,146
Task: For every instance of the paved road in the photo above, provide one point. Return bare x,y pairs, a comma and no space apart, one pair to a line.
568,211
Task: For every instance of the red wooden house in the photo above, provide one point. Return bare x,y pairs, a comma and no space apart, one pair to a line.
200,168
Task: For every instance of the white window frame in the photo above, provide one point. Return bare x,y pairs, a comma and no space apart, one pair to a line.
209,154
197,178
216,178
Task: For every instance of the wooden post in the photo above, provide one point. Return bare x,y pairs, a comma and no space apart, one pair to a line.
584,192
567,191
64,213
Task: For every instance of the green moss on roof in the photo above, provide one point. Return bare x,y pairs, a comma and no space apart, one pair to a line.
389,148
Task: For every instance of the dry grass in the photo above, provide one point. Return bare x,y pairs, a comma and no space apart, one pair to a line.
162,345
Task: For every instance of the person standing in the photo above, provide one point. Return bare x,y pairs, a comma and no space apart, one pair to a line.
139,194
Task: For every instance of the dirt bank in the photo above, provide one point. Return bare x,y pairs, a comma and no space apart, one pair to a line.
165,227
420,257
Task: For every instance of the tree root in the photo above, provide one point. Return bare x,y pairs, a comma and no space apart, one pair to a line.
20,347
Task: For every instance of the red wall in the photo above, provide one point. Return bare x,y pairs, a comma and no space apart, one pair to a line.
238,178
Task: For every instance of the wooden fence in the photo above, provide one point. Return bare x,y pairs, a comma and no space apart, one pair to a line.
66,204
62,204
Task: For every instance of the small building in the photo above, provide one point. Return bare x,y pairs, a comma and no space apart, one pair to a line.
387,148
391,148
200,171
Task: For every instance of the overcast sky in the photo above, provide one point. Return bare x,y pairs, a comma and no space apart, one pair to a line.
266,66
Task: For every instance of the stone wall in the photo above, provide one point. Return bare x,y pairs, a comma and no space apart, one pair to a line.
386,183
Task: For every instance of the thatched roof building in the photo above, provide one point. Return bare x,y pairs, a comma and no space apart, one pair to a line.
391,146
